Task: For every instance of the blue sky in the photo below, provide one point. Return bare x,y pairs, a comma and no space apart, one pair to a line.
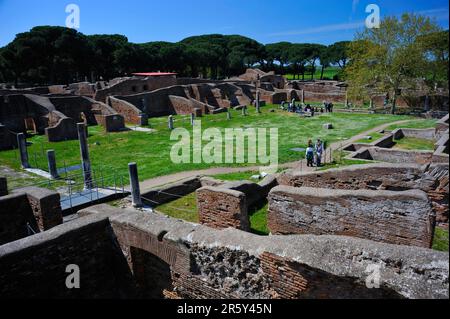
324,21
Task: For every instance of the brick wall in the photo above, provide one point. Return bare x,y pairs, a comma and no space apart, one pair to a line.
401,218
35,267
46,207
222,208
371,176
394,155
210,263
40,208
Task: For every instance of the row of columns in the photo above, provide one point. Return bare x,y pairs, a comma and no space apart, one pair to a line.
86,163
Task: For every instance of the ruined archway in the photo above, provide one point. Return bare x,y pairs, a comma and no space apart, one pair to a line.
30,125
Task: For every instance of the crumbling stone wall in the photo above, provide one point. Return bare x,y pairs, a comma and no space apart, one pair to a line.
46,207
370,176
394,155
210,263
129,86
8,139
35,267
222,208
401,218
15,213
39,208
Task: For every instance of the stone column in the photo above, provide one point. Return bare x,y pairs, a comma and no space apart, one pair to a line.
51,157
303,96
143,119
258,106
346,99
22,145
171,125
371,104
244,110
228,114
84,150
134,183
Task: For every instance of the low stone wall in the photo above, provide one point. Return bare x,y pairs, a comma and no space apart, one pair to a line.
384,142
8,140
427,134
401,218
35,267
370,176
222,208
319,97
394,156
135,85
130,113
112,123
46,206
39,208
184,260
65,129
15,214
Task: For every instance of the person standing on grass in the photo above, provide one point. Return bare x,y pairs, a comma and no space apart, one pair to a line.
319,152
310,154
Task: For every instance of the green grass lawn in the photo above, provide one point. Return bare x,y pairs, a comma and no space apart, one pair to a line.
240,176
328,73
184,208
258,219
375,136
412,143
440,239
111,152
415,124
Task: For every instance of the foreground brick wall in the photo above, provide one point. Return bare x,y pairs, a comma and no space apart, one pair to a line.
222,208
39,208
401,218
35,267
209,263
46,207
15,213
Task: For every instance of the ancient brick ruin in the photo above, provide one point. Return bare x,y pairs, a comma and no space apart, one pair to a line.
54,116
160,257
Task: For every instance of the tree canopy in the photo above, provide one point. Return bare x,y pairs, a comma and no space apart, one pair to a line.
402,55
48,55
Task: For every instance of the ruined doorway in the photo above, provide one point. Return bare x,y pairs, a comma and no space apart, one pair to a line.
30,125
151,274
83,118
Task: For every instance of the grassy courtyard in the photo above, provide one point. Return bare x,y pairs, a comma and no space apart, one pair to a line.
185,208
111,152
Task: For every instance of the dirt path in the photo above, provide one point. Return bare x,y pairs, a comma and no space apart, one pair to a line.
301,165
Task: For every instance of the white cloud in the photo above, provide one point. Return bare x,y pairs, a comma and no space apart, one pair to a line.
322,29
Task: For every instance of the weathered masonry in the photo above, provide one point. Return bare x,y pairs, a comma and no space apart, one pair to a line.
128,254
402,218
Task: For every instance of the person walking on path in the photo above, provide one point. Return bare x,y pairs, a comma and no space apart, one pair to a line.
319,152
310,154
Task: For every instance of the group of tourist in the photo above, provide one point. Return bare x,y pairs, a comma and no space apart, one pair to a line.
328,106
314,153
308,108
